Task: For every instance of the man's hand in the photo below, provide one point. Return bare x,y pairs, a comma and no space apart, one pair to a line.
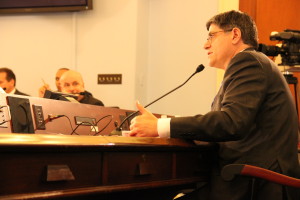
144,125
43,89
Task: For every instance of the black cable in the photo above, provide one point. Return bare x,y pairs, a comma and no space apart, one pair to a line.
93,125
78,125
84,123
58,116
73,130
3,122
96,133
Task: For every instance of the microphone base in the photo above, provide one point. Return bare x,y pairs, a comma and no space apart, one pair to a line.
116,133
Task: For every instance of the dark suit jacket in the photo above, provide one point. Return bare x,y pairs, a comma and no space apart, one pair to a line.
253,118
20,93
89,99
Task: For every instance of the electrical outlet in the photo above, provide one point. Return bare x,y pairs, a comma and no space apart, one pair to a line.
39,117
85,121
109,78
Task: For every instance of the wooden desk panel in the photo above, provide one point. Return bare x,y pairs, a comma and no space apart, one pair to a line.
26,172
103,167
136,167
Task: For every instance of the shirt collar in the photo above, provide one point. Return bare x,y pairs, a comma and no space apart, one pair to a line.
13,91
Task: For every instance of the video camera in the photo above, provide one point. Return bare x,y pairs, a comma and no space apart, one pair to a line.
290,49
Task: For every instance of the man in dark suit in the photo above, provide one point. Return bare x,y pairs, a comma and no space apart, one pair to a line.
253,118
8,82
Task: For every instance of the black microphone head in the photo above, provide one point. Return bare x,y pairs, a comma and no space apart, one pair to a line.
200,68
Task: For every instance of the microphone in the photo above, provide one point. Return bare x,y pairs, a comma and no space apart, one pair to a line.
118,130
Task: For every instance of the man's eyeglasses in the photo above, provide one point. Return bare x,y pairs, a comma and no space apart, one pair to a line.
211,35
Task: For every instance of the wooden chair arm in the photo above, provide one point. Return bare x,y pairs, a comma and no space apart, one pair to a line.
230,171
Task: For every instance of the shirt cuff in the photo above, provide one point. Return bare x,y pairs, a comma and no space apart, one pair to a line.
163,127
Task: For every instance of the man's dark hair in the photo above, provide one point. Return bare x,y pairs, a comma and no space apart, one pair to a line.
64,68
9,74
236,19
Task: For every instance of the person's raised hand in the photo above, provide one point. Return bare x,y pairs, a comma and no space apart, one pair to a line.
43,89
144,125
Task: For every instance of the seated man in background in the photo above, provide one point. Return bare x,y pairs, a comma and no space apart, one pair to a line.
71,82
46,86
8,82
59,73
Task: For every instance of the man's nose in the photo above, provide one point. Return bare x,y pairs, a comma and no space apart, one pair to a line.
206,45
72,89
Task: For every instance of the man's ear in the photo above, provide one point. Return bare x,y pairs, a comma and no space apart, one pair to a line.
236,35
83,85
12,82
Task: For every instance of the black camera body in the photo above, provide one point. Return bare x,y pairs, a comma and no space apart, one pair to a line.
290,49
